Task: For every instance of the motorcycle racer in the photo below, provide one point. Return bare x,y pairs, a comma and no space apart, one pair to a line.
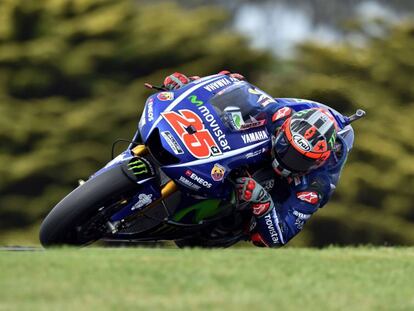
307,158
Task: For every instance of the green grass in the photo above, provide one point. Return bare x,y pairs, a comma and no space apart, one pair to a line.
233,279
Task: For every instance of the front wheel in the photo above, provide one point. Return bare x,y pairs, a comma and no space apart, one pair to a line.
69,222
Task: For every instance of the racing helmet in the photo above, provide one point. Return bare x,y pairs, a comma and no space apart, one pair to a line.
304,141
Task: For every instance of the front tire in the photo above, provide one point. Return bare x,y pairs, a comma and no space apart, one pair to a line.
60,225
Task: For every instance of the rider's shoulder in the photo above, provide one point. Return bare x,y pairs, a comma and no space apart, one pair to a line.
285,107
298,103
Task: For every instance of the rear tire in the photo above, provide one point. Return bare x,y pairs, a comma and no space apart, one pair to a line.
59,227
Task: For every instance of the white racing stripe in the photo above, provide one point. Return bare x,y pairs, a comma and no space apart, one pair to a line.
182,96
223,156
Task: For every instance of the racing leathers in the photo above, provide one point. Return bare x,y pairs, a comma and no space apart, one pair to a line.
280,211
292,200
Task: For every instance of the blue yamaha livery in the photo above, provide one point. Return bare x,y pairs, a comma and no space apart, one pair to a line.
175,180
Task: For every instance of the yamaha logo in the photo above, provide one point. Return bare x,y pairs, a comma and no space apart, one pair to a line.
301,142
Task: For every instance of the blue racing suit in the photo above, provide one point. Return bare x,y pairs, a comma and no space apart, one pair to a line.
292,200
297,199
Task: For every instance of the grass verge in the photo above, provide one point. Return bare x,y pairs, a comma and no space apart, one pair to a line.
195,279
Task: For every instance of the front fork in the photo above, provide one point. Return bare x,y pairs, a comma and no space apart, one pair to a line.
143,194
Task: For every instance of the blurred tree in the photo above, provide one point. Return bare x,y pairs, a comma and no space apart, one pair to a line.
71,75
71,81
374,200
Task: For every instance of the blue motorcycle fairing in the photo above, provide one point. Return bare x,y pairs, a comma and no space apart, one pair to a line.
185,113
150,193
118,160
173,114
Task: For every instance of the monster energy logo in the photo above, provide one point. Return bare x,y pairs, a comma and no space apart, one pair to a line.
332,140
194,100
138,167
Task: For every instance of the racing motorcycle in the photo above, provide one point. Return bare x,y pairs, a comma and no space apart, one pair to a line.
175,181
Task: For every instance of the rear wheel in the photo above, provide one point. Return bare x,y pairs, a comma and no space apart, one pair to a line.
79,218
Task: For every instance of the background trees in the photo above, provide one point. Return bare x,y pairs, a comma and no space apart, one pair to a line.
374,201
71,76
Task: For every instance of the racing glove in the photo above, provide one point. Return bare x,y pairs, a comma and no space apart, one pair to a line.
175,81
249,190
178,80
235,75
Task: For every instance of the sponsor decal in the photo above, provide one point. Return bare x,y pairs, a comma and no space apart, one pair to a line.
143,200
217,172
194,100
237,120
299,223
308,196
197,178
254,137
195,137
150,110
213,124
301,215
250,125
164,96
272,230
215,127
268,184
300,219
254,91
332,140
217,84
260,208
301,142
184,181
255,153
142,121
141,167
264,99
175,146
281,113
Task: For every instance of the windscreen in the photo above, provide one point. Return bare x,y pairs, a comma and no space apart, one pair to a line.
240,106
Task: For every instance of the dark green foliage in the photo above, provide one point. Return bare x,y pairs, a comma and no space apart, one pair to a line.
71,82
374,200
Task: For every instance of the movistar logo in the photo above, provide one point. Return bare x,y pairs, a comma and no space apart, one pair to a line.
194,100
138,167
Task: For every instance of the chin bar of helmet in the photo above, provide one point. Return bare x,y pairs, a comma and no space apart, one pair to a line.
357,115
